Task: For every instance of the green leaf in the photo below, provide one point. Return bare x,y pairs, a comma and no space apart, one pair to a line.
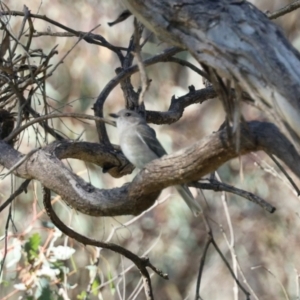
111,285
32,246
46,294
82,295
95,285
5,283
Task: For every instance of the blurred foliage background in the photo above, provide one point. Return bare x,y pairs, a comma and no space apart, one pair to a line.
266,244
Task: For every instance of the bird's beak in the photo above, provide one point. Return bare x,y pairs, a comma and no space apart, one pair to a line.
114,116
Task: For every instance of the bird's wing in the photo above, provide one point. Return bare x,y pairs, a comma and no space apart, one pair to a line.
148,137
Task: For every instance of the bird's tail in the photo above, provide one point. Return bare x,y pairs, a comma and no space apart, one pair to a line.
187,196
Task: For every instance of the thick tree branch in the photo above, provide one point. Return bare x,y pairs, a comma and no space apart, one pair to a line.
235,39
187,165
112,161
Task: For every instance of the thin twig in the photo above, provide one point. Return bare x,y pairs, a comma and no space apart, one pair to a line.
292,182
238,265
187,64
141,263
297,284
5,238
143,75
68,52
201,267
218,186
88,38
21,189
273,275
51,116
285,10
230,269
232,238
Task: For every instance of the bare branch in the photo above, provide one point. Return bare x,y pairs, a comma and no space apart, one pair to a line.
184,166
17,131
285,10
218,186
178,105
22,188
141,263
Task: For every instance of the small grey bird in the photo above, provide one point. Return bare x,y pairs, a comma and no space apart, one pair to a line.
140,146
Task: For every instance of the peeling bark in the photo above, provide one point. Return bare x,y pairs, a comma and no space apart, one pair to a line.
237,40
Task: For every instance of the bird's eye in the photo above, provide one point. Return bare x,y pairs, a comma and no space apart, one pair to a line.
128,114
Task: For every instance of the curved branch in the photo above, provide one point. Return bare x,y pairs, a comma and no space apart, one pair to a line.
141,262
187,165
178,105
110,160
187,64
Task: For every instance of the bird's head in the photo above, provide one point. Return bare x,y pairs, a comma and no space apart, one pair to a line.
126,117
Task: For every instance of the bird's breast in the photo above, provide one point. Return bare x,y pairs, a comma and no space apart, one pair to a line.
138,153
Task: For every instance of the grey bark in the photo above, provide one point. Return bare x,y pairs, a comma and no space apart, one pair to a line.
187,165
237,40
